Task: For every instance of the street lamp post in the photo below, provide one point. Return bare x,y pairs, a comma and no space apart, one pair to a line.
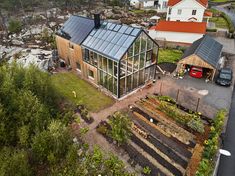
221,152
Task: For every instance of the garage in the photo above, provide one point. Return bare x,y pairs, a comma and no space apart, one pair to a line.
202,57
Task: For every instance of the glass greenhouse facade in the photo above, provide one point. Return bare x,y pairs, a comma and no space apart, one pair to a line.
135,67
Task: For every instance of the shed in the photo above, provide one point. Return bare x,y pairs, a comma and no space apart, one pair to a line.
205,53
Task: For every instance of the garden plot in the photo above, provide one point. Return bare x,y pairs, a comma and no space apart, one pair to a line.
166,139
166,142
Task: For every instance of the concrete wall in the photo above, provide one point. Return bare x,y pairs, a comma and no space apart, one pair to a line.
187,6
175,36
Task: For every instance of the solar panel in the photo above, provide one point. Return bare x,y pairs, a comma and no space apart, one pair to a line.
111,40
78,28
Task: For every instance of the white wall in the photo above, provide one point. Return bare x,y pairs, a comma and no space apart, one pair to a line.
162,7
148,3
175,36
187,6
134,2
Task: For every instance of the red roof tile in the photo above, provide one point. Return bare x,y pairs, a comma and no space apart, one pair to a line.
178,26
208,14
174,2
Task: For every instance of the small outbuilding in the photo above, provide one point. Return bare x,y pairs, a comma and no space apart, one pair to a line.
205,53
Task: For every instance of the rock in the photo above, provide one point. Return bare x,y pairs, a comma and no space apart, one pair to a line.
17,42
52,24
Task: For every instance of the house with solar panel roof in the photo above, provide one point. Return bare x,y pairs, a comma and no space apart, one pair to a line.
116,57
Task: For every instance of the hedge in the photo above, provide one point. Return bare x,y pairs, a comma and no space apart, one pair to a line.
211,145
230,24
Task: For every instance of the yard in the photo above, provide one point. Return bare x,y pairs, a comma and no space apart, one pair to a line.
86,94
220,22
169,55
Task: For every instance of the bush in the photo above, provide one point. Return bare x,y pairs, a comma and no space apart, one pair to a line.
229,21
120,127
211,145
196,124
211,30
15,26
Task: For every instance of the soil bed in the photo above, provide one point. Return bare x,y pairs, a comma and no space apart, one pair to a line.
168,151
182,150
156,156
141,160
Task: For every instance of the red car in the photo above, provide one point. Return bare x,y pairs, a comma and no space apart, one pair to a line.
196,72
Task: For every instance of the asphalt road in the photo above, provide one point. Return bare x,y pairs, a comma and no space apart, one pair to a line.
227,164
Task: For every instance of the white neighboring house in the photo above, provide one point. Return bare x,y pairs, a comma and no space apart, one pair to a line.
160,5
186,10
178,32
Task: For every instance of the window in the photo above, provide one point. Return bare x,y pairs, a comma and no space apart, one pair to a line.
169,19
169,11
164,5
91,74
78,66
86,54
194,12
179,11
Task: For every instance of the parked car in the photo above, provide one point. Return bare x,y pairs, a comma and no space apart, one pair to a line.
225,77
196,72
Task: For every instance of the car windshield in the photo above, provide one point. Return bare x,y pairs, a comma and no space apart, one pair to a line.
197,69
225,76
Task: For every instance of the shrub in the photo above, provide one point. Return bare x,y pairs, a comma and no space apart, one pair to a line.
211,145
196,124
229,21
120,127
15,26
211,30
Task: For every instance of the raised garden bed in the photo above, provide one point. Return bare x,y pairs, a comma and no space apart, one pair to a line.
138,158
156,156
178,148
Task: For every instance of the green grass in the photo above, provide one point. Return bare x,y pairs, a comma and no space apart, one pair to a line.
87,94
139,11
169,55
220,22
219,1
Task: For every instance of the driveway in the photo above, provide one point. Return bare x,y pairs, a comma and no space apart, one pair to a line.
228,44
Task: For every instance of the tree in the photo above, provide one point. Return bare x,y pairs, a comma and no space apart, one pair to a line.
14,162
52,144
15,26
120,127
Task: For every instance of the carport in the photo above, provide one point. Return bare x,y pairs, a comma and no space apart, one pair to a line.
204,53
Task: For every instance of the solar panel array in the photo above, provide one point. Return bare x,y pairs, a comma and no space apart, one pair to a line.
209,50
111,40
77,28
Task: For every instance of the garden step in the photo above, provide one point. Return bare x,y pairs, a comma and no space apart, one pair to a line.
168,158
138,158
161,163
180,150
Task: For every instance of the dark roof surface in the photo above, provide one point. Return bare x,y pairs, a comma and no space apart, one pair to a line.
76,29
111,40
207,49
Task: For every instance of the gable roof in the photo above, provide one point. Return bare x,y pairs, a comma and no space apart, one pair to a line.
111,40
180,26
174,2
207,49
76,29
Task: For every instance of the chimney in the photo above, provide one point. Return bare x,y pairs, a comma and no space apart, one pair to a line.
97,20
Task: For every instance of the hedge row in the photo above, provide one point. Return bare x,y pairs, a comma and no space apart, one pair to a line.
229,21
206,165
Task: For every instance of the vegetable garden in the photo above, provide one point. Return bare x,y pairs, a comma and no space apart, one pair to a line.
164,139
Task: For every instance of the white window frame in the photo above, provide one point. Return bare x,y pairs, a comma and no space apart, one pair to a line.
179,12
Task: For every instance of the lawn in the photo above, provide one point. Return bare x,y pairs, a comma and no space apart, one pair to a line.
219,1
220,22
169,55
87,95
